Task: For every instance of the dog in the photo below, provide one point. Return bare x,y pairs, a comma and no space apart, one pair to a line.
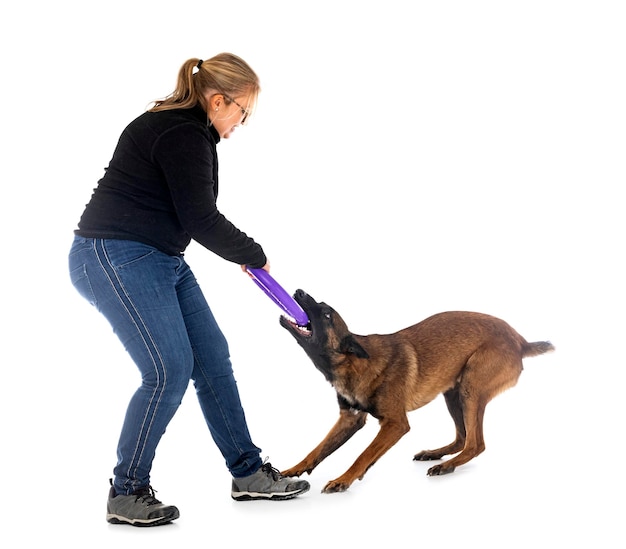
469,357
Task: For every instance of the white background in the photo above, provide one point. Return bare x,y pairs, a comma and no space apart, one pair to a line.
405,158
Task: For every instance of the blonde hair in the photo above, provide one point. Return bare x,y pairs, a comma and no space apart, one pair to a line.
225,73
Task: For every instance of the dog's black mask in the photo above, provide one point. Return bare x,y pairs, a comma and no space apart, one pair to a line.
326,338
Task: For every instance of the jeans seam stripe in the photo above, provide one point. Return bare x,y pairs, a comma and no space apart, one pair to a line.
153,406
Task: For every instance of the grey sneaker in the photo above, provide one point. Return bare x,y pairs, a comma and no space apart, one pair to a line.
141,508
267,483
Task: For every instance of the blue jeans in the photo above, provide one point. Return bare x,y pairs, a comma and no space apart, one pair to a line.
157,309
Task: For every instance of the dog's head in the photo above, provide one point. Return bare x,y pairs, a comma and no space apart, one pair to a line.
326,338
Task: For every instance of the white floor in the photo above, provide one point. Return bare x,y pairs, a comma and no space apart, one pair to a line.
548,477
454,156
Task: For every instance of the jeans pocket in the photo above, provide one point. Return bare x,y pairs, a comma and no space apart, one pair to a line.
80,281
80,245
125,253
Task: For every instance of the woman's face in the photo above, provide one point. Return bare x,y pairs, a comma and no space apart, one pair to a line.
226,113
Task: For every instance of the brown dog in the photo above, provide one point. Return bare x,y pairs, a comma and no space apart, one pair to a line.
469,357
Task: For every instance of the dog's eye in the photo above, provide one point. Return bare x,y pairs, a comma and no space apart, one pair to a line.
327,315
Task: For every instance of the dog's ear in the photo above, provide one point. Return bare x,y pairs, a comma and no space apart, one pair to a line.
350,346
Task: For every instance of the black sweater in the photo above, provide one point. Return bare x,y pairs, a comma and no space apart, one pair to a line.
160,188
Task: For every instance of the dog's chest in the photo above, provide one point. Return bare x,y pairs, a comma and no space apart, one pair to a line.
349,392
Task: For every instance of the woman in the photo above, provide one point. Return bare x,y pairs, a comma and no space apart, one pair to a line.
159,192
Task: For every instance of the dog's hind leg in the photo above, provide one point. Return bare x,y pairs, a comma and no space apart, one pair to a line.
453,402
474,442
488,372
349,422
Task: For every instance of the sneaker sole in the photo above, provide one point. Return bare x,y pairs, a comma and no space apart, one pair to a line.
276,496
118,519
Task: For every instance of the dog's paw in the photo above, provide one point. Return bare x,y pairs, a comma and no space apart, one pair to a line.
293,472
335,486
427,455
439,470
296,471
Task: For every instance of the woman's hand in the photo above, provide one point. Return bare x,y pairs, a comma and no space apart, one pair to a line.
266,268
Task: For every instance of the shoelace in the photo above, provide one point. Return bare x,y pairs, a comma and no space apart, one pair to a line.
147,496
275,473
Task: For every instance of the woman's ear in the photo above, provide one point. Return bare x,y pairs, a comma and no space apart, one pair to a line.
213,102
216,101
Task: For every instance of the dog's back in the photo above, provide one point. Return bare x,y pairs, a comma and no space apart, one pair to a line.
433,354
457,333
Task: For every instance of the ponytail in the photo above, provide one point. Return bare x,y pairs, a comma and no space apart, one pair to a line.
225,73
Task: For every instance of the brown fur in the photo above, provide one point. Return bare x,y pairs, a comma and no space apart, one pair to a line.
469,357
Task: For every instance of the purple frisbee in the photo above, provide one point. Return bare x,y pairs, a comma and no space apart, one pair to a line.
279,296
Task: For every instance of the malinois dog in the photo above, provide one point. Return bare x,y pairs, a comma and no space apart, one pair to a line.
469,357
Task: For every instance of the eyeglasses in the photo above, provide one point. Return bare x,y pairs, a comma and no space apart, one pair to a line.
244,112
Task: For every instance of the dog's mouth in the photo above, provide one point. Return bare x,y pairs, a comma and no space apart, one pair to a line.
290,323
304,331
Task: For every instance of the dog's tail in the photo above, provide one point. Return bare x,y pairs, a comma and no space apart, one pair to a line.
537,348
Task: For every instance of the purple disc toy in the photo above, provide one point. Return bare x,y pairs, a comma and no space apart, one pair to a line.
279,296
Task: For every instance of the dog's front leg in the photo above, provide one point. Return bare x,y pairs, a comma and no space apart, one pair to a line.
349,422
390,433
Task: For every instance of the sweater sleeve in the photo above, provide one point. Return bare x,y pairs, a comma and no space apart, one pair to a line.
187,158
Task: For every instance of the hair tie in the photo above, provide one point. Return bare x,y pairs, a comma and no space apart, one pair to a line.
199,63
